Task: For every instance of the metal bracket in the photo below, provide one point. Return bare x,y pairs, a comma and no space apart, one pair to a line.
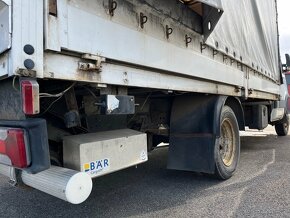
13,177
214,52
9,172
143,20
112,7
169,31
188,40
90,66
202,47
238,89
26,73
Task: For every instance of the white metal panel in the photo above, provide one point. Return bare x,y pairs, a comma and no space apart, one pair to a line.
91,34
261,83
5,26
56,26
51,30
114,74
84,32
183,62
105,152
129,76
126,15
65,67
27,29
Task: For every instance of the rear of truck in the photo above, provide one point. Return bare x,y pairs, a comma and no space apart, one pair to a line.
90,87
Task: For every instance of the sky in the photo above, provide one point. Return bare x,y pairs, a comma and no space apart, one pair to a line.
284,27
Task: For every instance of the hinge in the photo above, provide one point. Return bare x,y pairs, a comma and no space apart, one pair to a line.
91,66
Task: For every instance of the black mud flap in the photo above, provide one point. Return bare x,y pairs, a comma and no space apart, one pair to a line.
194,127
38,142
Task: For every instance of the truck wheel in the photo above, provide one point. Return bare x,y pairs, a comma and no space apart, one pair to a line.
283,127
227,146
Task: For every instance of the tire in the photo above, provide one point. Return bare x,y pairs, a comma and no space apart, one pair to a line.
227,146
282,128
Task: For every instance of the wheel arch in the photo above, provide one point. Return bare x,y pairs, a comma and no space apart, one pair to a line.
236,106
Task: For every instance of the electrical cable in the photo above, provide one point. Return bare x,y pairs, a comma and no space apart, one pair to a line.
47,109
59,96
13,84
47,95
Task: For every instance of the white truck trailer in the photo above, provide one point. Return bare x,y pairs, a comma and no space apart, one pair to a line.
89,87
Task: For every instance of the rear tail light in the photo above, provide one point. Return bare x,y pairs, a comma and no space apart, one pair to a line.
13,146
30,97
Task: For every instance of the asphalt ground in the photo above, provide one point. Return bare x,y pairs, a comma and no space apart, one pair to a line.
260,188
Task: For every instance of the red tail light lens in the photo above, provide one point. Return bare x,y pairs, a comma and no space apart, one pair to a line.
12,145
30,97
2,147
